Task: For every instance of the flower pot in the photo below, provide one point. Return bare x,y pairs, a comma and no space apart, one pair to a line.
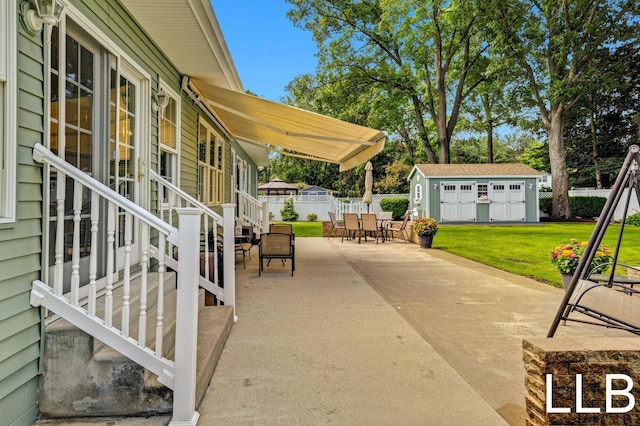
425,241
566,280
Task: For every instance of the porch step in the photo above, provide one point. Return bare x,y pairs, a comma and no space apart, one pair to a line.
84,378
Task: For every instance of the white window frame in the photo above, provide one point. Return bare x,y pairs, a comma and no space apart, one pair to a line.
417,193
173,152
210,174
8,107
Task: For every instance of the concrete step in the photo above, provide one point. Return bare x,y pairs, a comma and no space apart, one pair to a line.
84,378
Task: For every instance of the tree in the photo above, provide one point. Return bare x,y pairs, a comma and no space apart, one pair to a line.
417,53
394,180
492,104
550,45
601,128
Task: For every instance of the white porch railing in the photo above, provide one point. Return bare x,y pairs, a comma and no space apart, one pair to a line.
129,230
170,198
252,211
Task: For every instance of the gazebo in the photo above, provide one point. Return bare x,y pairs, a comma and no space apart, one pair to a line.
278,187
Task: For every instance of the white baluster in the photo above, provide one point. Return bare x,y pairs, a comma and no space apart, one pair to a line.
172,200
93,255
58,271
126,277
206,248
144,240
160,305
75,253
111,253
216,264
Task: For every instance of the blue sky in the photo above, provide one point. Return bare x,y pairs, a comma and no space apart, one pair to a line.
267,49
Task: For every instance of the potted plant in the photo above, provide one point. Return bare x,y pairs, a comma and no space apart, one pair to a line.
566,257
425,228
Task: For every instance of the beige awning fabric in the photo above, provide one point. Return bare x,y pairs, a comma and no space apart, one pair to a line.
307,134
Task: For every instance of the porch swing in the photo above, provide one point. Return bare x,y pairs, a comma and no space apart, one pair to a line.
606,299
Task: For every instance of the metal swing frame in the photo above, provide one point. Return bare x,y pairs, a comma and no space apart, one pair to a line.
628,178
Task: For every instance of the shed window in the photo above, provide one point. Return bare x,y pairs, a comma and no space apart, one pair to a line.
418,193
483,190
8,122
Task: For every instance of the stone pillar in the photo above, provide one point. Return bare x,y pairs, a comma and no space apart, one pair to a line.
576,390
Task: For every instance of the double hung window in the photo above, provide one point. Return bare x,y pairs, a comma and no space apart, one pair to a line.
169,132
210,165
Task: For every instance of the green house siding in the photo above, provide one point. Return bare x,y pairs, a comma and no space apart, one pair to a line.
20,247
21,242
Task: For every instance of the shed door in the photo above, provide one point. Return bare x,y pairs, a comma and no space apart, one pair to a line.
507,201
458,201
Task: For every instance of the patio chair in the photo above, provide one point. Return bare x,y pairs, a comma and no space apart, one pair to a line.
276,246
351,225
243,246
370,225
283,228
335,226
402,229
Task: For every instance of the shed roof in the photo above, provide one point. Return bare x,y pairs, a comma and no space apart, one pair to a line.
476,170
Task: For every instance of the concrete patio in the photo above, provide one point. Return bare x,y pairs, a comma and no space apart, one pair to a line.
379,334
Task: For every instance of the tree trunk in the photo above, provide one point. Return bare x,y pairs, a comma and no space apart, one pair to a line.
489,117
445,157
490,142
594,151
557,157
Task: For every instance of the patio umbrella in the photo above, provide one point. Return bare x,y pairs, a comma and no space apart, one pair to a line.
368,185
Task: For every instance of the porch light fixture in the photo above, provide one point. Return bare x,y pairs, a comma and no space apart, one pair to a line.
46,12
160,101
435,186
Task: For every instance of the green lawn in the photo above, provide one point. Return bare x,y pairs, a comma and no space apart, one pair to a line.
306,229
524,250
520,249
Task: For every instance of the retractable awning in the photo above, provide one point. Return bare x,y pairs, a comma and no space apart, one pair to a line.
306,134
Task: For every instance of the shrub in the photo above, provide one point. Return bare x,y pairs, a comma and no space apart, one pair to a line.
586,207
287,212
312,217
633,219
397,206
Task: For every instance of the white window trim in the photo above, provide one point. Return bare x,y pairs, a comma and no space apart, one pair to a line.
176,98
212,195
8,75
418,193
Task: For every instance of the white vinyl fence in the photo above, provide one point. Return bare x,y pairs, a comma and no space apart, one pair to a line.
321,205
